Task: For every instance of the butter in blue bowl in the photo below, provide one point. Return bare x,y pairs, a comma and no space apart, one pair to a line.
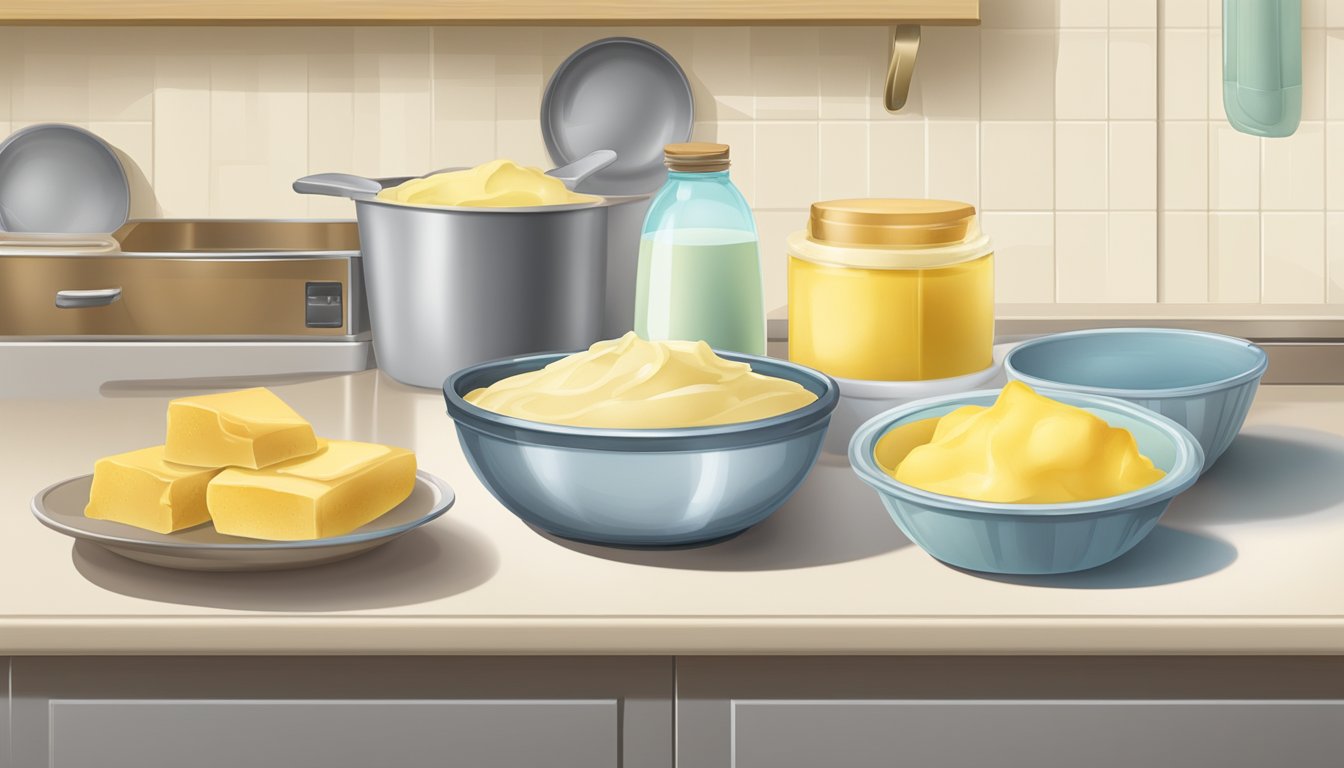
1024,538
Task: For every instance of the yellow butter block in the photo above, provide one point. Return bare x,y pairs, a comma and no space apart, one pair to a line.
249,428
333,492
139,488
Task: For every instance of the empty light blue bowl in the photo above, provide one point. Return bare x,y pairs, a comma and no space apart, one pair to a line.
1031,538
641,487
1203,381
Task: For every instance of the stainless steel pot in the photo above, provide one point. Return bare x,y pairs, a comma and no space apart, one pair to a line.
625,223
452,287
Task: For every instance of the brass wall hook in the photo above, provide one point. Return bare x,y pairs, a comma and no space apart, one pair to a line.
904,48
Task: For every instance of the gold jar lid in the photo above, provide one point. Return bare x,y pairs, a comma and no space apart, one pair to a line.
696,157
890,222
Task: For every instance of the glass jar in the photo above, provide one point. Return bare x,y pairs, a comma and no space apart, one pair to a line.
699,273
891,290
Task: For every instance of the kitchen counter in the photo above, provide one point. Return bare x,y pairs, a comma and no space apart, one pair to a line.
1247,562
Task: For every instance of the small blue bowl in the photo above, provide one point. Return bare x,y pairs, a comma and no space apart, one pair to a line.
1203,381
641,487
1028,538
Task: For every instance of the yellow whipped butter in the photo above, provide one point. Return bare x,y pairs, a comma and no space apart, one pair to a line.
629,383
496,184
1026,449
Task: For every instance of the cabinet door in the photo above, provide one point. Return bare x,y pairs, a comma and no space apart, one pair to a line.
5,761
1009,713
319,733
336,712
1033,734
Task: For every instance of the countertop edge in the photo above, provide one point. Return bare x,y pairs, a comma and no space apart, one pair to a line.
378,636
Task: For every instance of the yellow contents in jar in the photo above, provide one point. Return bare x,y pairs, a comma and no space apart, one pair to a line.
496,184
892,324
630,383
1027,449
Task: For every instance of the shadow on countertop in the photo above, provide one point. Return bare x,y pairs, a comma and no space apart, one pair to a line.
435,562
1166,556
1269,473
832,518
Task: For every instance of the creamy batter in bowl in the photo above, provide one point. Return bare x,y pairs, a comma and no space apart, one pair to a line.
641,487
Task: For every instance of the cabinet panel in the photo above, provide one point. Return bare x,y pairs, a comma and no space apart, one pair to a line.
134,733
1032,734
1032,712
5,761
333,712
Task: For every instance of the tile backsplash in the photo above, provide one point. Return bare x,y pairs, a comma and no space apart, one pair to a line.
1090,133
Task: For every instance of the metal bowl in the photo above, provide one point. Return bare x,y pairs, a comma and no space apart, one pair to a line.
1203,381
641,487
1025,538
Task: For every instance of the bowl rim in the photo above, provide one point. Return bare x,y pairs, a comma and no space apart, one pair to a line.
1251,374
720,436
1183,474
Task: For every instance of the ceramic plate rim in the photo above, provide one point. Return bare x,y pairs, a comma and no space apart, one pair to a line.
445,497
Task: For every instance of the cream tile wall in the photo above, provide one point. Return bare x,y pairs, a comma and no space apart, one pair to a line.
1089,132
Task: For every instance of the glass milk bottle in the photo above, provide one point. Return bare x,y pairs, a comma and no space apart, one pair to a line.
699,258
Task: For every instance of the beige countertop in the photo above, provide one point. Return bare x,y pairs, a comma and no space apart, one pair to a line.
1249,561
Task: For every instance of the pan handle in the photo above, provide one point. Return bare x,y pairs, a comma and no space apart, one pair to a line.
338,185
99,297
575,172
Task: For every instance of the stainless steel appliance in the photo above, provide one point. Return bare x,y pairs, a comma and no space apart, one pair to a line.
183,299
174,279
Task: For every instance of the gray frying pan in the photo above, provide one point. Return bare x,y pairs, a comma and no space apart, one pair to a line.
61,178
618,93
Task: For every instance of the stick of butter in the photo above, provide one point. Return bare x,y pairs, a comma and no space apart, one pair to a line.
333,492
139,488
249,428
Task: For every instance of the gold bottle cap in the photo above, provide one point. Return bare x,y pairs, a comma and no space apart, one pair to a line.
883,221
696,157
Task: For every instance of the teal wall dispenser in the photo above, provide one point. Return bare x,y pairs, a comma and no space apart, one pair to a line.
1262,65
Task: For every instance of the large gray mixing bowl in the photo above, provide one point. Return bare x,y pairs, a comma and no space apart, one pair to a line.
641,487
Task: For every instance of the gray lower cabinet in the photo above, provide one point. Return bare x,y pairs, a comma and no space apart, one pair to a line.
1010,713
1033,734
338,712
5,740
694,712
309,732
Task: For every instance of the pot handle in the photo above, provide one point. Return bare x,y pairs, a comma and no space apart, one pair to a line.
338,185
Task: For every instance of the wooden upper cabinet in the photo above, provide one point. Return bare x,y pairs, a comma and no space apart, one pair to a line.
492,11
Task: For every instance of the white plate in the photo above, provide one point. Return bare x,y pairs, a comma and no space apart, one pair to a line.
61,508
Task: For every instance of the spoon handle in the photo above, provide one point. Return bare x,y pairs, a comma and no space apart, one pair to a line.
338,185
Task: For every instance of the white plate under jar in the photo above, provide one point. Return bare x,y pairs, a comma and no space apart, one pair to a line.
862,400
